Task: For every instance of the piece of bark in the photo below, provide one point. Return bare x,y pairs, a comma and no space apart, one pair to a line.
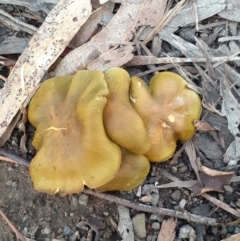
167,232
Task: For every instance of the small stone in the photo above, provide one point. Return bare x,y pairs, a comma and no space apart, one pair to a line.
186,231
176,196
74,201
139,227
238,203
66,230
237,230
155,199
223,231
230,229
9,183
182,203
183,169
106,214
155,226
139,191
155,217
214,230
146,189
146,199
46,230
83,200
174,170
228,188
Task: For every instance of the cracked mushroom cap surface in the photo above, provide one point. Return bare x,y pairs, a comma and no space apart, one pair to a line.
168,108
73,149
133,171
122,122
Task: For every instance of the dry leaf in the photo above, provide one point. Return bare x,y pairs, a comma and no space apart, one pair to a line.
230,107
87,30
117,32
231,12
203,126
212,180
43,49
204,9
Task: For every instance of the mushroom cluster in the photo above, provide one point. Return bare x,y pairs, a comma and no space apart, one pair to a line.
102,129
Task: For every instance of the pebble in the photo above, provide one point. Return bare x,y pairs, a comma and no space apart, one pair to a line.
155,217
74,201
182,203
228,188
155,226
106,214
146,199
186,231
230,229
146,189
155,199
176,196
139,226
83,200
46,230
238,203
237,230
223,231
214,230
66,230
183,169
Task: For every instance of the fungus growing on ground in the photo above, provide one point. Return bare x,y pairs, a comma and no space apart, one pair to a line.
73,148
132,173
168,108
122,123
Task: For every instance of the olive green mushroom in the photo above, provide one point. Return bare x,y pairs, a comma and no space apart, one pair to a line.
122,122
168,108
73,149
133,171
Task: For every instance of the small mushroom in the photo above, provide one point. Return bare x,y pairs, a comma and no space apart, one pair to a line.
122,122
73,149
168,108
132,173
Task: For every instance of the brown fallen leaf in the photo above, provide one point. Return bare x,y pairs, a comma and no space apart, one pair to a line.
212,180
203,126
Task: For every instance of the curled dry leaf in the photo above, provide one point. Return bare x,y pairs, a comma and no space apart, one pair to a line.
212,180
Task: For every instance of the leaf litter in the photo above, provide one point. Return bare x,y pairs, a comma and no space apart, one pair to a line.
109,38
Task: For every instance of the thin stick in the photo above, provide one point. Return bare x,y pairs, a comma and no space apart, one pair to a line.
10,157
18,235
148,209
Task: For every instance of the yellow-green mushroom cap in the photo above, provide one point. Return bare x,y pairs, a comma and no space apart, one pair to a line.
132,173
73,148
168,108
122,122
